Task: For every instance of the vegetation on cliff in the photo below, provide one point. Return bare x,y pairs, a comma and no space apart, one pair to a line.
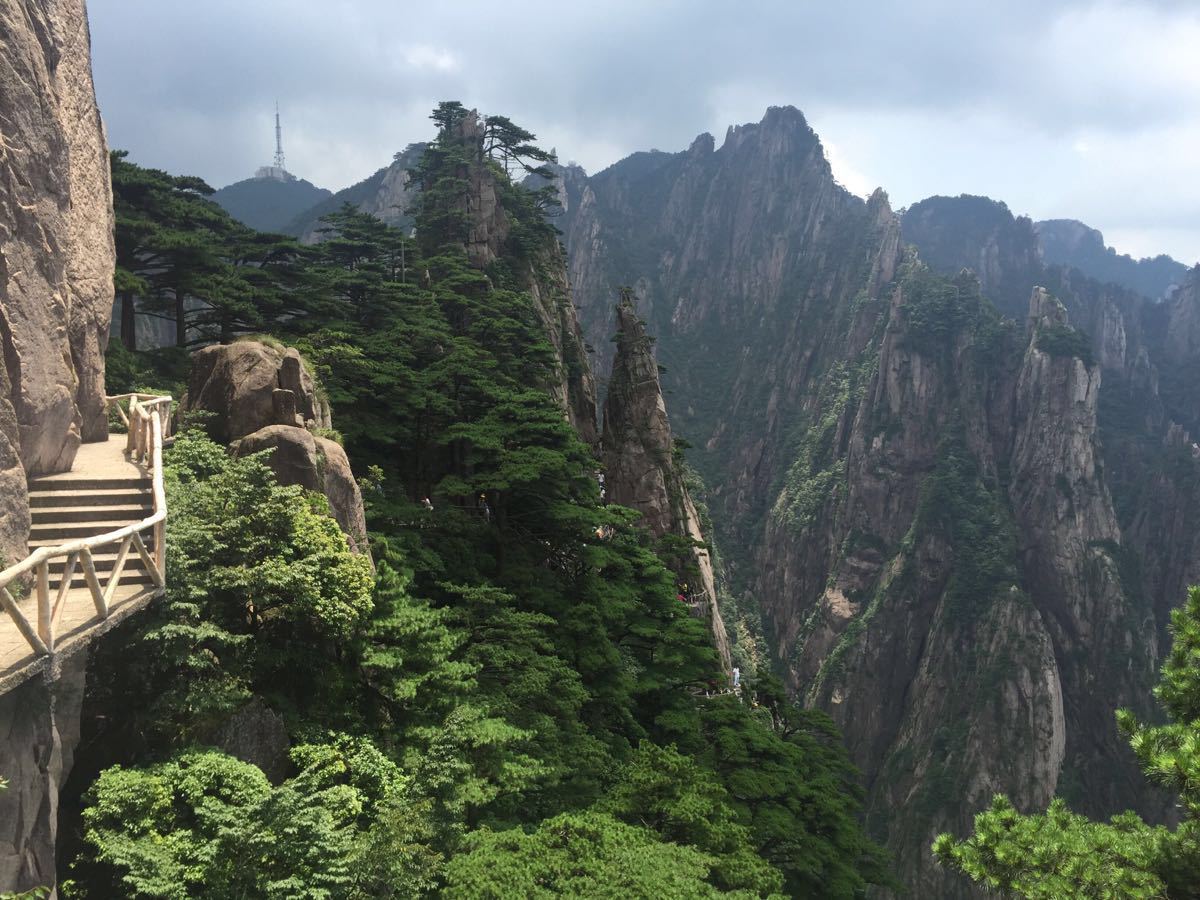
1059,853
517,704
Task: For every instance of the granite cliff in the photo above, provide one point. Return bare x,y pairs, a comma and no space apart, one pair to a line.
911,466
387,194
644,471
56,291
56,250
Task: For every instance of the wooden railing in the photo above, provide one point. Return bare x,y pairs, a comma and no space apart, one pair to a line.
149,420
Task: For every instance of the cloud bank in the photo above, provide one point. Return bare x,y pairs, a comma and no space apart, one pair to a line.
1087,109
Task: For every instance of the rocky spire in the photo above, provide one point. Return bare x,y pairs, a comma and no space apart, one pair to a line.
641,471
543,272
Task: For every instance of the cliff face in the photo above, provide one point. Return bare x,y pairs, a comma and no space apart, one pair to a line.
56,290
39,731
56,250
912,488
1069,243
747,261
388,195
542,271
641,470
979,234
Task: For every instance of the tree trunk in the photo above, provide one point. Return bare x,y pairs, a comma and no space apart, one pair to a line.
180,318
128,321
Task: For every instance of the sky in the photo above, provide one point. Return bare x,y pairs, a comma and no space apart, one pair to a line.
1084,109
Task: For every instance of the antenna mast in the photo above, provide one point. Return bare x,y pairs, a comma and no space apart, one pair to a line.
278,140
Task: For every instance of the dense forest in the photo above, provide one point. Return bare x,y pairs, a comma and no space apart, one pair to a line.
514,702
505,697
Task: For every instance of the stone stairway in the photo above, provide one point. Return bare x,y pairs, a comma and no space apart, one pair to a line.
67,507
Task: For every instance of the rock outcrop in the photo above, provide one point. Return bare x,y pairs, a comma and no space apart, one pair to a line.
39,731
262,397
1072,244
939,511
56,249
249,385
388,195
641,469
542,271
979,234
316,464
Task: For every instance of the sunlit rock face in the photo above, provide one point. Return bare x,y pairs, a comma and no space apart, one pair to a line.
56,250
640,467
935,485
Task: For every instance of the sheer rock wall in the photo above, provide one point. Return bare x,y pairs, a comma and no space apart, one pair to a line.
56,250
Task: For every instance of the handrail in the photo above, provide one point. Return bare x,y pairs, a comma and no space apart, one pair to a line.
149,422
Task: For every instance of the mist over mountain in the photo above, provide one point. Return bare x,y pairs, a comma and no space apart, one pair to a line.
1071,243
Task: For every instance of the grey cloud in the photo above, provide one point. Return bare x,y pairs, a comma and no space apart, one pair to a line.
190,86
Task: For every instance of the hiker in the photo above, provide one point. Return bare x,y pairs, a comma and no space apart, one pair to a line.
737,677
428,504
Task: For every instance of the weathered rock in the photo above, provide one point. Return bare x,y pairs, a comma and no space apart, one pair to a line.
256,734
56,290
14,495
39,730
316,464
820,417
341,489
56,250
544,275
389,195
640,468
237,383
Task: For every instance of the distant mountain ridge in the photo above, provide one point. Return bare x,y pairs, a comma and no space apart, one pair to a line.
1069,242
386,194
268,204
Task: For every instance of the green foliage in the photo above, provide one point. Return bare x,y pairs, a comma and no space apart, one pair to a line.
181,257
260,582
793,785
661,789
1059,853
1063,340
486,692
207,824
938,309
957,504
578,855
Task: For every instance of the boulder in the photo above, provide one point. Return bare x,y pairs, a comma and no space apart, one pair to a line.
316,464
242,385
256,734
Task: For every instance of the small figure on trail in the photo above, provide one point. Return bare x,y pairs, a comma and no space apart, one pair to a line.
737,677
483,505
428,504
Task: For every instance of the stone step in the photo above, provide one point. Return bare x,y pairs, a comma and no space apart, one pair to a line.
65,515
51,534
69,481
129,576
75,497
103,562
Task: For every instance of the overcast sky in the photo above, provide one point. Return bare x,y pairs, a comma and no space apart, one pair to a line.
1086,109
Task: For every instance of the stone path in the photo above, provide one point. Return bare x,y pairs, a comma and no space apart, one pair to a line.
102,492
